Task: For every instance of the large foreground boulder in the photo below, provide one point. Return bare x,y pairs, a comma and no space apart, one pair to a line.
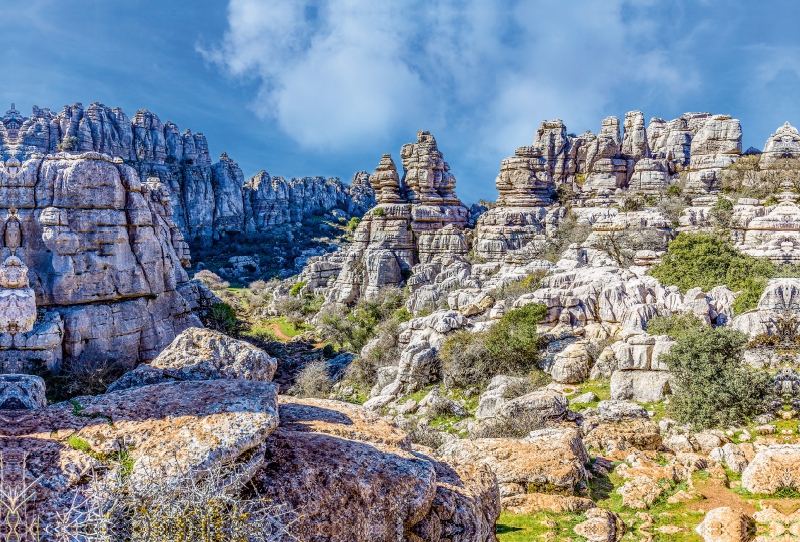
351,476
549,460
202,354
162,430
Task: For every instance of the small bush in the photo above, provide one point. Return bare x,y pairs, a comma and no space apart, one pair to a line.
69,143
221,317
424,435
295,291
705,261
353,224
211,280
313,380
378,211
714,386
518,426
533,382
674,326
509,347
353,329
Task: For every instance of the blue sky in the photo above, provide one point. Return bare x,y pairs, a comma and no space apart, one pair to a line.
324,87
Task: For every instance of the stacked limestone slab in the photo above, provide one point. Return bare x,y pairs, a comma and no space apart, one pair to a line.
417,220
599,170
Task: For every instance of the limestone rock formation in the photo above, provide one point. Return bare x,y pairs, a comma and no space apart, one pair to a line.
725,525
548,459
784,143
383,490
418,219
208,199
22,392
273,201
165,429
773,467
201,354
715,145
103,257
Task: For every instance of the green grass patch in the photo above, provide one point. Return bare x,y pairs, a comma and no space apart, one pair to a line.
526,527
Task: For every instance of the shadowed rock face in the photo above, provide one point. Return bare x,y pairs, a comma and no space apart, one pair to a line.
103,256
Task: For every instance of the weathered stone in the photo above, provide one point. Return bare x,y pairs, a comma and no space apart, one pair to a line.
547,404
601,526
19,392
202,354
616,410
383,491
166,429
772,468
549,459
725,525
641,386
530,503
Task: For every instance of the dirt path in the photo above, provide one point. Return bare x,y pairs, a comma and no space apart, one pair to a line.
279,332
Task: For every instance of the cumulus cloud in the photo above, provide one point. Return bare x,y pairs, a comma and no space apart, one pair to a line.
340,72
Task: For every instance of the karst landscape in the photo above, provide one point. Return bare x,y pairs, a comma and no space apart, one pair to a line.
606,352
297,325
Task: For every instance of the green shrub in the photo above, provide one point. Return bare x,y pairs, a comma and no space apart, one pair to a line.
221,317
714,386
674,326
354,328
378,211
295,291
70,143
353,224
704,260
509,347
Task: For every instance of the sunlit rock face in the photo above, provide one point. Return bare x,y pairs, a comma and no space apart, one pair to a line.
96,250
17,300
784,143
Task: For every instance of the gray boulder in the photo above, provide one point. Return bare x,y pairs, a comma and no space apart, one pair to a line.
615,410
202,354
22,392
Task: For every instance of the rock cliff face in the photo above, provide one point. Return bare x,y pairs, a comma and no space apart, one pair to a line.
599,169
274,201
103,256
208,199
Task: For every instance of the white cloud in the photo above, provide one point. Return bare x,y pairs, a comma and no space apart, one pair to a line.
337,73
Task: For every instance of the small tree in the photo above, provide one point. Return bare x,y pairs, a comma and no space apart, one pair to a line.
714,386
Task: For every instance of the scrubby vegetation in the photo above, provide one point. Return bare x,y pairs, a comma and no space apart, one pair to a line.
675,326
200,505
353,328
705,260
509,347
714,386
747,178
313,380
